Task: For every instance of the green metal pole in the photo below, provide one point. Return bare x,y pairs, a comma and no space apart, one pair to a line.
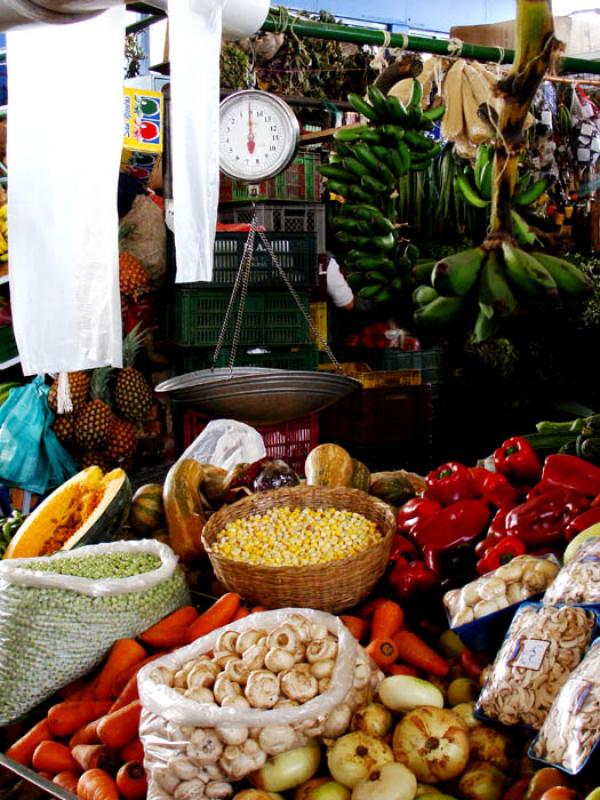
277,22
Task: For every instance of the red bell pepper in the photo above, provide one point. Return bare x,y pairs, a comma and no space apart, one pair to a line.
403,548
517,459
473,663
543,520
501,553
571,472
494,487
412,579
413,510
458,524
490,541
582,522
449,483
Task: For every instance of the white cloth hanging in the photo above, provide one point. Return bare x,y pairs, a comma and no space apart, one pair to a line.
195,45
65,132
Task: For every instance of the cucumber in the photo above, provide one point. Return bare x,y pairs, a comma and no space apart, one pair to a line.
549,442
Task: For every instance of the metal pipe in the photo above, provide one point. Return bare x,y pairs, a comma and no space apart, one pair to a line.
421,44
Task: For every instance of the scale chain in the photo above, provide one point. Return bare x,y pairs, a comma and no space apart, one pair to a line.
246,266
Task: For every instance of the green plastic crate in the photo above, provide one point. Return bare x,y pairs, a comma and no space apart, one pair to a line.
301,181
305,358
430,361
270,318
8,346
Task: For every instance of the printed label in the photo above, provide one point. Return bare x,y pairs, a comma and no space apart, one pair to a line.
531,654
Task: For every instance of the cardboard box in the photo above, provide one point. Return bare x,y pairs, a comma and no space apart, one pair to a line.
142,132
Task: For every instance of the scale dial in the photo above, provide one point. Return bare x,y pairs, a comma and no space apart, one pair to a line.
259,135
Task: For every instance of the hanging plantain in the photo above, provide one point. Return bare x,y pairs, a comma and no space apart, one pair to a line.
500,279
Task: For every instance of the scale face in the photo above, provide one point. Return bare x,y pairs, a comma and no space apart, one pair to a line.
258,137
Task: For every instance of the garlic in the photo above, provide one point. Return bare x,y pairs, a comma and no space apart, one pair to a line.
225,688
203,674
227,641
237,670
323,669
163,675
285,636
204,747
183,768
200,694
254,656
276,739
299,685
302,626
247,639
318,630
337,722
361,676
165,779
180,680
277,659
262,689
189,790
218,790
320,649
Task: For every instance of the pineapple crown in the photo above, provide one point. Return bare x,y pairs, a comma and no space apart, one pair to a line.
132,345
99,381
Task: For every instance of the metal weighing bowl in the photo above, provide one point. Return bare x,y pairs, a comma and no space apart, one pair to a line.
258,396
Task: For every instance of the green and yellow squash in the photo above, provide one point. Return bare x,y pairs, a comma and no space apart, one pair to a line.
147,509
328,465
184,509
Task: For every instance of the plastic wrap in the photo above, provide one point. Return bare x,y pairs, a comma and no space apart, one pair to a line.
578,582
226,443
174,727
543,646
55,627
571,731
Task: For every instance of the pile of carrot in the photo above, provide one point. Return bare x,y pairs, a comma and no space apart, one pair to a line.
379,626
89,742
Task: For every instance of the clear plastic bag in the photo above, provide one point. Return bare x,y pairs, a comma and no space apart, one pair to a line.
196,740
578,582
571,731
543,646
226,443
60,614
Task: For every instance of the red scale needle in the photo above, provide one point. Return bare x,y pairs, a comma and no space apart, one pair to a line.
251,142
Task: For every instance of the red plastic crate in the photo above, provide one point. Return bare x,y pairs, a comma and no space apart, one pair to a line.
289,441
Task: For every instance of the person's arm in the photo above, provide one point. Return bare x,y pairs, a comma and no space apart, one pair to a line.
338,288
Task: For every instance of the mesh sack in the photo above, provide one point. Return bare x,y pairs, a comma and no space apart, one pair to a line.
60,614
208,721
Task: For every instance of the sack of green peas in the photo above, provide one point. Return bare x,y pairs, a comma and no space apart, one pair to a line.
60,614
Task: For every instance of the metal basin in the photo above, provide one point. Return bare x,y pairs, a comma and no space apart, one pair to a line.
258,396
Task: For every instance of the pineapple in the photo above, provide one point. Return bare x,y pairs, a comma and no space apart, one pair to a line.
132,392
79,386
133,278
95,458
122,442
64,427
92,421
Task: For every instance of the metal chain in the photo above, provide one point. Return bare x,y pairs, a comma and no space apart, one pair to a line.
292,291
245,270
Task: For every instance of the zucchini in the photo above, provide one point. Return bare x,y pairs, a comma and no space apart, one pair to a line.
570,426
590,449
549,442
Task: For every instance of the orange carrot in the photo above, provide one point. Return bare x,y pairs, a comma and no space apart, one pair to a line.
401,669
367,609
383,652
86,692
258,609
242,612
134,751
86,735
123,678
131,781
220,613
67,717
387,620
358,627
78,685
53,757
67,779
124,652
413,650
128,695
22,750
119,728
90,756
47,775
184,616
175,636
95,784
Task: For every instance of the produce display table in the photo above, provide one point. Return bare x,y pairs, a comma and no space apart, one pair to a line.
32,777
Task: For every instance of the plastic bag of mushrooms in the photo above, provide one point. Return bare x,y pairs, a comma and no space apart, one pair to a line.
216,710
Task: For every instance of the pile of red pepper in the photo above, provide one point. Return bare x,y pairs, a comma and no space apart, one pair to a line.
533,509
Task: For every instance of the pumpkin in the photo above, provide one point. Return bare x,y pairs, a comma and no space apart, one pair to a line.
87,509
391,487
183,508
147,509
328,465
361,477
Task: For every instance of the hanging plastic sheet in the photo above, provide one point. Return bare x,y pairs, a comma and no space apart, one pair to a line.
195,44
64,144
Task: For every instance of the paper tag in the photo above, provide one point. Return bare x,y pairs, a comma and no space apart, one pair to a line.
586,129
583,154
547,118
531,654
595,145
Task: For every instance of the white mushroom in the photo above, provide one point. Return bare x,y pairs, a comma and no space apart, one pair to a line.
163,675
337,722
165,779
247,639
178,733
237,670
189,790
227,641
299,653
302,625
203,674
239,761
285,702
204,747
254,656
285,636
201,694
310,727
318,630
277,739
221,657
180,690
235,700
323,669
277,659
180,679
362,674
225,688
183,768
324,685
218,790
320,650
232,734
254,733
210,772
358,697
262,689
299,685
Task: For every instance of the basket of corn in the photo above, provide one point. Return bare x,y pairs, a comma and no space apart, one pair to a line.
308,547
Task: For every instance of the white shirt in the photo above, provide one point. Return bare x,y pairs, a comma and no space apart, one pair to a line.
337,286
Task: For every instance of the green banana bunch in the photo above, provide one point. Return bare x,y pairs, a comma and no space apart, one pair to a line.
8,527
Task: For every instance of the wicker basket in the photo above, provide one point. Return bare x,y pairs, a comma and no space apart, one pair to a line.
333,586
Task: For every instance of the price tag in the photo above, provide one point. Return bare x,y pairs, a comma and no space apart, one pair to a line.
531,654
583,154
547,118
586,129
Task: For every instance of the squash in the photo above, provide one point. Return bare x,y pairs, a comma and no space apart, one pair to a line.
183,508
361,477
328,465
147,509
89,508
391,487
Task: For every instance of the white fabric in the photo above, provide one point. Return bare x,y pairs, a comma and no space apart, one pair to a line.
195,45
337,286
65,133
